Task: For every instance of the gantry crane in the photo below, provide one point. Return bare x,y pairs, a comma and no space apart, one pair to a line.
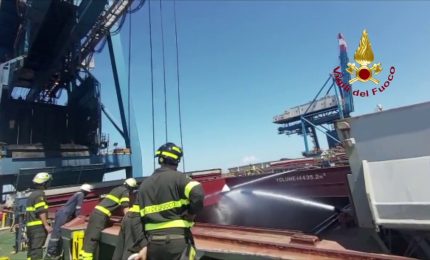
321,113
50,103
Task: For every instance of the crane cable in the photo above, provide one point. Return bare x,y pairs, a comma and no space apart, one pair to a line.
129,73
152,80
164,71
164,78
177,80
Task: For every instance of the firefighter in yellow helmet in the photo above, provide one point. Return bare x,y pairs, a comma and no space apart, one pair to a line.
117,197
37,216
169,201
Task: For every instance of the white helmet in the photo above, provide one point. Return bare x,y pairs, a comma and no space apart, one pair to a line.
42,178
131,182
86,187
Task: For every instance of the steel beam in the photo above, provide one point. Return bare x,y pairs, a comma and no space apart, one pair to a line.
305,136
11,166
339,100
110,117
329,135
128,121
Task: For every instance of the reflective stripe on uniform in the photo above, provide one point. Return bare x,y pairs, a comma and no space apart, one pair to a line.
169,224
34,223
135,208
40,204
113,198
104,210
37,205
192,254
177,149
189,187
124,199
164,206
168,154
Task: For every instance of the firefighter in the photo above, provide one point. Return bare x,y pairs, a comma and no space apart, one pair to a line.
169,201
70,210
118,197
131,237
37,216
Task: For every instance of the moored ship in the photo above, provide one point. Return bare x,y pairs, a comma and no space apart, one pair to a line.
287,198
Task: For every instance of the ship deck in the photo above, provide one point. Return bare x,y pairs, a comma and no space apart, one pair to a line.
233,242
7,240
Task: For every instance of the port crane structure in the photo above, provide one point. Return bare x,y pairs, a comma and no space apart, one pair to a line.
321,113
50,103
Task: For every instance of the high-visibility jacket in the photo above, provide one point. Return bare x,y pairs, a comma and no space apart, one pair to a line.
36,204
134,210
118,196
166,196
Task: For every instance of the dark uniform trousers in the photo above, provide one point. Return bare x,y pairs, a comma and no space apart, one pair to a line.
55,243
169,249
96,224
131,231
36,239
169,244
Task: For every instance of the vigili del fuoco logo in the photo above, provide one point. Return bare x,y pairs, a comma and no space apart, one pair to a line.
364,72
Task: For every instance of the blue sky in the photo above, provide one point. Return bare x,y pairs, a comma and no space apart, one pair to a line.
242,62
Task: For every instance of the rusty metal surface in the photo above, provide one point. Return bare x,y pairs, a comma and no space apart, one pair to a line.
273,243
233,240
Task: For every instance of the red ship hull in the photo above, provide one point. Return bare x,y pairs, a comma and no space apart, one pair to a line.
240,207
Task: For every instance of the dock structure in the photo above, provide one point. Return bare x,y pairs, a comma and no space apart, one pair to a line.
321,113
